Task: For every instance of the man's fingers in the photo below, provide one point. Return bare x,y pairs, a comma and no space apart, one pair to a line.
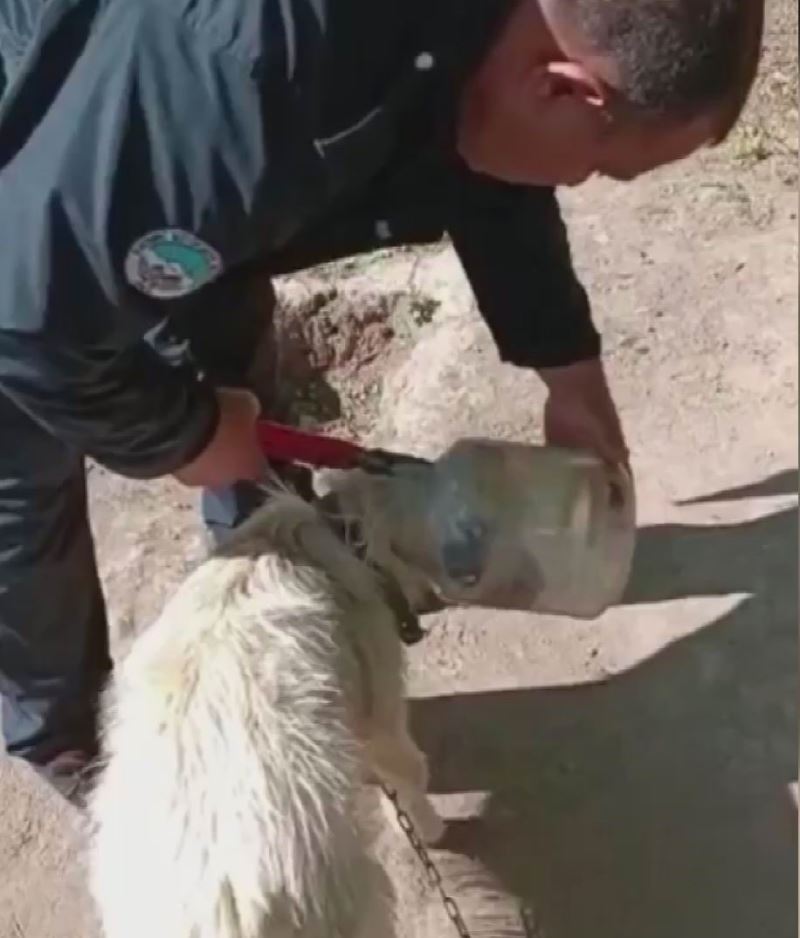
577,425
233,453
241,399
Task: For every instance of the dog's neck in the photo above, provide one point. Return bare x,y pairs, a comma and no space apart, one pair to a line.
378,521
392,573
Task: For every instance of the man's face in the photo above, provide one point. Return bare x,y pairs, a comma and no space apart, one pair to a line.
541,121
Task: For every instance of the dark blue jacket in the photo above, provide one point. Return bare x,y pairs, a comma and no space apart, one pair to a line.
150,146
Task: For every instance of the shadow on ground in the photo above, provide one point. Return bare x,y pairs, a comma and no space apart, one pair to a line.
781,483
655,804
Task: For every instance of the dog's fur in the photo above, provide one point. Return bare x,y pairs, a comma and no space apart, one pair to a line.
237,735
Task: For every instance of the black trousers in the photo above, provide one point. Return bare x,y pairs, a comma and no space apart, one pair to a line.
54,655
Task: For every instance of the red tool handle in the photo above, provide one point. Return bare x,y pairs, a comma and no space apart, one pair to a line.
285,444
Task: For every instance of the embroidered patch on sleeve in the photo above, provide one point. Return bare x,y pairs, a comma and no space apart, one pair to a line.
171,263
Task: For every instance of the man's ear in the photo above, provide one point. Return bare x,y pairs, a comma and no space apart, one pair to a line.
570,79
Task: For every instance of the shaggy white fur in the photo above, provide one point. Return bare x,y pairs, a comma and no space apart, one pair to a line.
237,735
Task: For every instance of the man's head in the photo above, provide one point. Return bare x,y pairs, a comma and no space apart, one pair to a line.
575,87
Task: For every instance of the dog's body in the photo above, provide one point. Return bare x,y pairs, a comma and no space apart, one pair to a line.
238,734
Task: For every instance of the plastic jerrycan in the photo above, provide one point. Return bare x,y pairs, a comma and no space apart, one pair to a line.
516,526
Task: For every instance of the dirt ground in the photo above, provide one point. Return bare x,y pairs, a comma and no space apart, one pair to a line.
634,776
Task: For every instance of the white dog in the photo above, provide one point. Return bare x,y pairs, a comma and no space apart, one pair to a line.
238,734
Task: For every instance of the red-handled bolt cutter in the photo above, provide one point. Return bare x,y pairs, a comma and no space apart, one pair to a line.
280,443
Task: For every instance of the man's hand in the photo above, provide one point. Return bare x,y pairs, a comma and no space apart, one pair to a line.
233,453
580,412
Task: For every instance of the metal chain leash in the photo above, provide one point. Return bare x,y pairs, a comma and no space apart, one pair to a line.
431,870
435,877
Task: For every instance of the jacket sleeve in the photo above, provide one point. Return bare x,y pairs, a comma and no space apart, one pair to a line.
144,176
513,246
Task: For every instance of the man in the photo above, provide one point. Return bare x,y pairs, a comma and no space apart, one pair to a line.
159,161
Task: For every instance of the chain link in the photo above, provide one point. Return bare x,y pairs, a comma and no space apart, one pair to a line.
431,870
527,917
